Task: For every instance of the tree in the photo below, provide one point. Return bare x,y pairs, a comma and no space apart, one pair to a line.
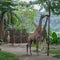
5,6
55,7
26,13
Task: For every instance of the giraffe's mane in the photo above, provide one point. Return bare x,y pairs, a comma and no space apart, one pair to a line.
38,29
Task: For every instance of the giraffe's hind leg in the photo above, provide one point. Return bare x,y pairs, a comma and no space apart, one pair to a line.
30,48
37,43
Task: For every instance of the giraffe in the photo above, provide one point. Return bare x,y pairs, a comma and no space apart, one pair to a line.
36,36
42,34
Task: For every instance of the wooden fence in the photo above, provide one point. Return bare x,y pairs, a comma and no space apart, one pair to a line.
16,36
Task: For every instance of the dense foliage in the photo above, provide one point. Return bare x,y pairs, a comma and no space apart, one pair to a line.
54,5
54,39
20,15
26,14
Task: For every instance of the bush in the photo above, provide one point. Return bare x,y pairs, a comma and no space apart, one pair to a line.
54,38
58,40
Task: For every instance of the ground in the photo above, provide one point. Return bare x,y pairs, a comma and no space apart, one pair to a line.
20,51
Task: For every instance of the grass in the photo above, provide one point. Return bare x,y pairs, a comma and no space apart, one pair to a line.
35,51
7,56
34,45
55,51
52,51
58,44
57,56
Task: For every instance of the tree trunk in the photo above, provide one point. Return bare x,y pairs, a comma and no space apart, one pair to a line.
48,29
2,26
1,30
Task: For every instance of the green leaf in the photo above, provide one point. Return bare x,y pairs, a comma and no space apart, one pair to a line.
54,35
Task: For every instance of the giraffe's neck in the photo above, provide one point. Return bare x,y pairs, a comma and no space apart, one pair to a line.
39,28
44,27
43,30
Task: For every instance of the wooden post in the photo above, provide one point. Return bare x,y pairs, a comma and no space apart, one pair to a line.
48,29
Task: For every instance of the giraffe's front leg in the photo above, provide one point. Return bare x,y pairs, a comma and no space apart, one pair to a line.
27,48
37,43
30,49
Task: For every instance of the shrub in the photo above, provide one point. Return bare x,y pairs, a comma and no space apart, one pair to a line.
58,40
54,38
